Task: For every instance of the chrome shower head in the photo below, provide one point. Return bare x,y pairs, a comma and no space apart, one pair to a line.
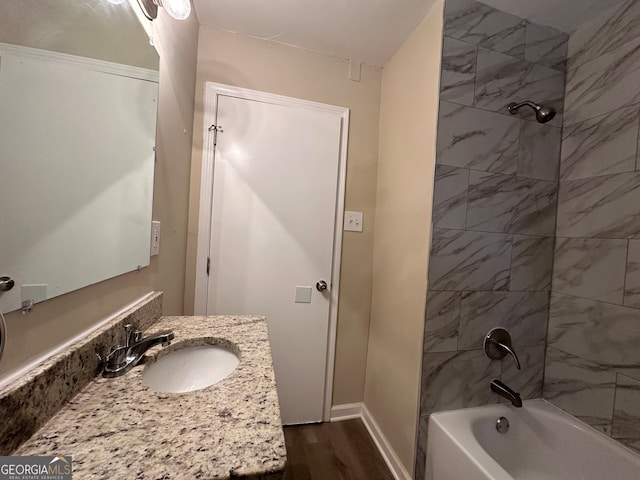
543,114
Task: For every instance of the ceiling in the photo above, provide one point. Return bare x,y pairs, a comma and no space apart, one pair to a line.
369,31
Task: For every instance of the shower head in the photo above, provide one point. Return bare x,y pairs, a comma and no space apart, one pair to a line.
543,114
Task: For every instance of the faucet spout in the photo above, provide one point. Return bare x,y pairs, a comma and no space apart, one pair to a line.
504,391
125,357
140,347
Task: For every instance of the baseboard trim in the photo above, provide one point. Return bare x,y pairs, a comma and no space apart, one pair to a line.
350,411
347,411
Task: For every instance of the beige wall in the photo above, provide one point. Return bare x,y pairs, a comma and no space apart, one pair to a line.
406,166
55,321
240,61
84,28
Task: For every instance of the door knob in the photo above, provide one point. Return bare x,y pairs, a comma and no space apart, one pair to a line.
321,286
6,284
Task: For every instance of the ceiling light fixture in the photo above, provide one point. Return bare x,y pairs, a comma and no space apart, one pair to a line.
178,9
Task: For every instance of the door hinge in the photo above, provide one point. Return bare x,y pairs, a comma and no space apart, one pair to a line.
215,129
208,265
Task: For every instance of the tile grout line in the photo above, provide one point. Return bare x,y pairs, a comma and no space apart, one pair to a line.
626,270
613,405
637,141
595,300
555,181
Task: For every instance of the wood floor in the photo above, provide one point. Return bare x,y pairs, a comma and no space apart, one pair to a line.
333,451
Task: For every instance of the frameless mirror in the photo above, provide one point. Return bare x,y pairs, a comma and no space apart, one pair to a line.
78,102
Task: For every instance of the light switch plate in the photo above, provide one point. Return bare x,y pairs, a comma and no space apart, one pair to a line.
353,221
303,294
155,238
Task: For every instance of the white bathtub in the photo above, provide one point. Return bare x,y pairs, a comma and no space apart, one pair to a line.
543,443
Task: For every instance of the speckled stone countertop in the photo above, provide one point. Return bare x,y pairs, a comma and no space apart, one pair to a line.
119,428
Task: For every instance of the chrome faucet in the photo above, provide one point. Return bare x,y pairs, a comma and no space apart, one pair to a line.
123,358
504,391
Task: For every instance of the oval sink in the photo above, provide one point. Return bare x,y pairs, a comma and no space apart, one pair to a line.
189,369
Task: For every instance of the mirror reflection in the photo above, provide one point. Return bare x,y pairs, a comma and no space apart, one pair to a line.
78,101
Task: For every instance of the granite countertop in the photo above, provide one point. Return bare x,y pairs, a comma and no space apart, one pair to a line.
119,428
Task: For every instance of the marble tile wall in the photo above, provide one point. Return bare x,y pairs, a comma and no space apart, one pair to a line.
593,359
494,210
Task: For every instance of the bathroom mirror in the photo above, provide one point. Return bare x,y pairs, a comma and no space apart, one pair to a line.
78,103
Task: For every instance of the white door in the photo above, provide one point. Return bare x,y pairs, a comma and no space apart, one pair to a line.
273,217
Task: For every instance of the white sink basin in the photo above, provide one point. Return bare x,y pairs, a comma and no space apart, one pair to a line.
190,368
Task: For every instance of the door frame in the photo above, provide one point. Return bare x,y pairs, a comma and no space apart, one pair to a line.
212,92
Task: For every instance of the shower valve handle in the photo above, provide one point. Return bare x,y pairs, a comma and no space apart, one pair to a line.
497,344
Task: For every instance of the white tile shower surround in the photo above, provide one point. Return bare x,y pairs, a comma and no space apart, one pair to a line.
539,151
468,260
612,136
607,33
459,320
477,139
604,84
632,277
593,361
510,204
457,83
546,46
600,207
596,331
582,263
593,332
485,26
531,262
501,79
450,197
523,314
584,389
494,207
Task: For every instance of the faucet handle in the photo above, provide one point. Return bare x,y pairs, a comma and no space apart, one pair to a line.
128,328
132,336
497,344
116,358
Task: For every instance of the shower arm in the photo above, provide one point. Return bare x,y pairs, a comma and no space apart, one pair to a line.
514,107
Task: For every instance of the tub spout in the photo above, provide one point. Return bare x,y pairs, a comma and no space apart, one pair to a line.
501,389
